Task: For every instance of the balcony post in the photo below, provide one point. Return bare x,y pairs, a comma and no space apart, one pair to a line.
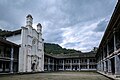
79,64
71,64
11,60
88,64
105,67
109,66
63,65
114,40
48,64
53,64
117,65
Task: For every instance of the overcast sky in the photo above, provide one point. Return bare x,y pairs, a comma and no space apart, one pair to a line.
75,24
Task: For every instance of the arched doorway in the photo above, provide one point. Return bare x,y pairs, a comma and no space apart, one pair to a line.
33,67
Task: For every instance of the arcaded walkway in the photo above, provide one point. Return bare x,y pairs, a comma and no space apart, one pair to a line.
56,76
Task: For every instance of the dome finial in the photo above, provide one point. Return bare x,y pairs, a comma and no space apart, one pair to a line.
39,27
29,20
29,15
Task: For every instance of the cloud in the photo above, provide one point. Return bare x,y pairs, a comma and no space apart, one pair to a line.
76,24
101,26
82,38
51,33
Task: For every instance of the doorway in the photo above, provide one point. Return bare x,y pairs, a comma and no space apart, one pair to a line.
112,65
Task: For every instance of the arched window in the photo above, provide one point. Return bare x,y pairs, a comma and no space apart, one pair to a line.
34,46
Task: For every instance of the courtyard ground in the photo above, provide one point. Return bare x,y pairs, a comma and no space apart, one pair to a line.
56,76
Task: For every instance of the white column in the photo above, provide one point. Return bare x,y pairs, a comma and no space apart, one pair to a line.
79,64
114,40
107,49
88,64
56,64
11,61
63,65
29,63
71,64
101,65
103,61
39,65
53,64
104,66
109,66
42,55
48,64
117,65
107,55
22,51
117,58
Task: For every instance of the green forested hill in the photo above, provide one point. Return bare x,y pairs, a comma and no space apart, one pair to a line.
56,49
2,32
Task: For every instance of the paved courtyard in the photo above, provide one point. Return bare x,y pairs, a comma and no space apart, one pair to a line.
56,76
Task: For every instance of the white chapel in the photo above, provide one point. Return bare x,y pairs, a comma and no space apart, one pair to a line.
31,51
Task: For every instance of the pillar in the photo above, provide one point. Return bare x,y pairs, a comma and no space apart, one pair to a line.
29,60
79,64
48,64
99,63
88,64
23,51
105,67
117,65
1,66
101,66
107,56
109,66
117,58
63,65
71,64
114,41
98,66
107,49
11,61
56,64
53,64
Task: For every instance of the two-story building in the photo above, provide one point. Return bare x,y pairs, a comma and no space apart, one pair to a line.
108,54
9,56
70,62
